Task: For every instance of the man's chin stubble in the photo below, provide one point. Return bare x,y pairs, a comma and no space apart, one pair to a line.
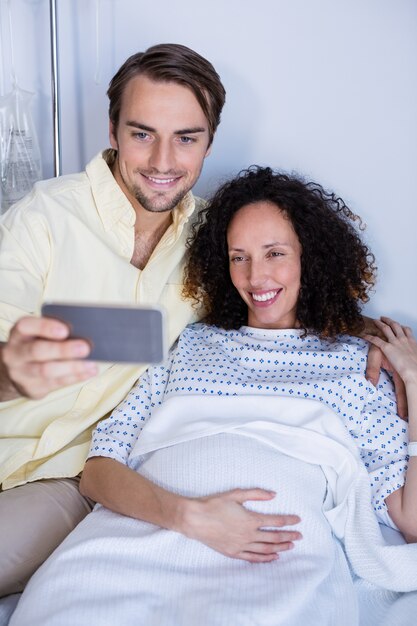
153,207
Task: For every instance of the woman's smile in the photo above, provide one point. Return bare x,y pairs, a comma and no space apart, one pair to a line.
265,298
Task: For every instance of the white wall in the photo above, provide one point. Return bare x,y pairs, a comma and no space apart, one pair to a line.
324,87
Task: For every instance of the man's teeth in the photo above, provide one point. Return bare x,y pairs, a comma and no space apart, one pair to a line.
161,181
264,296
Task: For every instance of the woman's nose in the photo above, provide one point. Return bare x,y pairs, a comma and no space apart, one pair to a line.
257,274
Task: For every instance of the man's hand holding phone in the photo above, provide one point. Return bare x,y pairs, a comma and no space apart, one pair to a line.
39,357
52,351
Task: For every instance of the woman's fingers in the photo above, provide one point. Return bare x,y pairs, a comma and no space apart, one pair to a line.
252,557
276,537
242,495
224,523
265,553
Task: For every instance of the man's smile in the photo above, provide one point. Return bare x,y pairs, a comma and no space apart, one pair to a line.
159,182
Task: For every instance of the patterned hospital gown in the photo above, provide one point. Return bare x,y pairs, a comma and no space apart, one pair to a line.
207,361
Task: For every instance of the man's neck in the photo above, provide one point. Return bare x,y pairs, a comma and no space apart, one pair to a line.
149,226
147,237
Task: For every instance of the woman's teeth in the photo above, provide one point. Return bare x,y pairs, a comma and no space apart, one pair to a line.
263,297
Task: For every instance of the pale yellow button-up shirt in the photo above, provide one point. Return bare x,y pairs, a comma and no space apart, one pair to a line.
72,239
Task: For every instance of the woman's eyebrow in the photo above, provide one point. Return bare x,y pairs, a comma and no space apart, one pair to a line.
266,246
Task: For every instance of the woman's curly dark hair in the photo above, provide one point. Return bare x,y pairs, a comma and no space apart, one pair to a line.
337,269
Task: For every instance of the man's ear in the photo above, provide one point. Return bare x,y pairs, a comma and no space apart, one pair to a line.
208,151
112,135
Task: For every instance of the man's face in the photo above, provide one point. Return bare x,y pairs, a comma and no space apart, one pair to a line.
162,139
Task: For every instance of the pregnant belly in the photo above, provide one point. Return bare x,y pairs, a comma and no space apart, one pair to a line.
226,461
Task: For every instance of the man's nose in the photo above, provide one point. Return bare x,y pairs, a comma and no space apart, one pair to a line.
162,157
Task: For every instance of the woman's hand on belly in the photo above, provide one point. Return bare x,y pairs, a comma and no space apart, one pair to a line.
221,522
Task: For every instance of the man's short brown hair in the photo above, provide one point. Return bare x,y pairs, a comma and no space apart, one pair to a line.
172,63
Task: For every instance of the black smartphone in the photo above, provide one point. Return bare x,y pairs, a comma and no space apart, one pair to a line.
118,334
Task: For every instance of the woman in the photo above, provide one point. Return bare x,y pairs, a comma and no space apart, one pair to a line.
266,406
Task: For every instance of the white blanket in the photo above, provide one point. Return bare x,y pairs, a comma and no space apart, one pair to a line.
309,431
118,570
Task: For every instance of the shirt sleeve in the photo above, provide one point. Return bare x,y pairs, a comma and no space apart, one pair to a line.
383,445
115,436
24,261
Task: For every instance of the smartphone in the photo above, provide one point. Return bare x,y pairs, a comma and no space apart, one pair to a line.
118,334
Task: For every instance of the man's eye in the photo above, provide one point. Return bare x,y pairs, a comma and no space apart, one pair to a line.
187,140
141,135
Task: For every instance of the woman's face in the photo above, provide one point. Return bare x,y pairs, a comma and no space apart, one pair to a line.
265,264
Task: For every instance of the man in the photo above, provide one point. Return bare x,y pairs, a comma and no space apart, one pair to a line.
116,234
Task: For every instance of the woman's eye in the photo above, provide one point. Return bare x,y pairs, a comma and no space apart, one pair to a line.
237,259
274,253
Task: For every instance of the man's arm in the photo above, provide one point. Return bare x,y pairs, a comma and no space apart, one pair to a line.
8,390
38,358
219,521
400,348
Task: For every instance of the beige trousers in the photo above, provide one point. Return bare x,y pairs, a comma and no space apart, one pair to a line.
34,519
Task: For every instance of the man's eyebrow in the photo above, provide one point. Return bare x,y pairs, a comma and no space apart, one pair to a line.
190,131
141,126
182,131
